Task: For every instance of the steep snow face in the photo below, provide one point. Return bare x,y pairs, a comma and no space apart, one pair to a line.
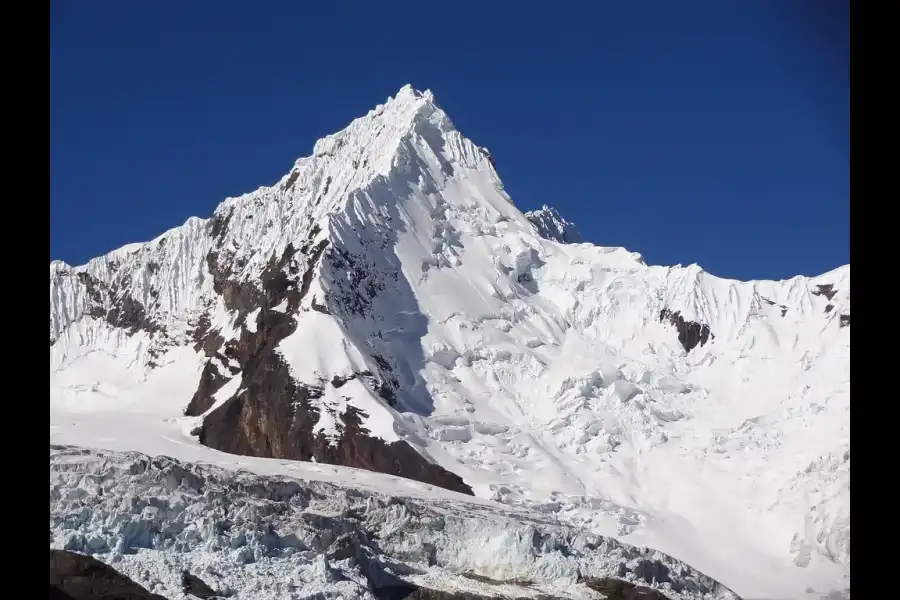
388,289
552,226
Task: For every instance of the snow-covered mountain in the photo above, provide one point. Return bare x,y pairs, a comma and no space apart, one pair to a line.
386,306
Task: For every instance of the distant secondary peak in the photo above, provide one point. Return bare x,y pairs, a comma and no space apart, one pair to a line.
552,226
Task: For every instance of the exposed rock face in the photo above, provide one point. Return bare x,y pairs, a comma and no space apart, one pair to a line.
272,417
57,594
79,577
193,585
616,589
826,290
690,334
271,414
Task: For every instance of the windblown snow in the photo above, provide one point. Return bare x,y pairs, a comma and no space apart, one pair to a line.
664,407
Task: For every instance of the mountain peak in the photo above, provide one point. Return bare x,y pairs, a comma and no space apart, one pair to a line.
368,146
386,306
409,93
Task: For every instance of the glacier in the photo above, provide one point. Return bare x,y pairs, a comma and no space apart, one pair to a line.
266,537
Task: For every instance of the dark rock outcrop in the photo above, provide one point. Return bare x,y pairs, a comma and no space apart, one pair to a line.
218,225
360,283
129,314
826,290
252,348
690,334
617,589
291,180
272,415
193,585
79,577
58,594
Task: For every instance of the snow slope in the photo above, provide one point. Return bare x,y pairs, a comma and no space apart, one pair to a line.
547,375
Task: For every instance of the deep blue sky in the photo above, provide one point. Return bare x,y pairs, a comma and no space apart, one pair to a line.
703,131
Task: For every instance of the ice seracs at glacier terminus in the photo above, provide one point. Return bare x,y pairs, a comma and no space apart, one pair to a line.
386,306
